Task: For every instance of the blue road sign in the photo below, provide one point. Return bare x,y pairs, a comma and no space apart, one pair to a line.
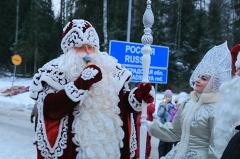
129,55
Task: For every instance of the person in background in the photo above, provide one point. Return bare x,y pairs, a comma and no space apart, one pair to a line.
173,112
166,112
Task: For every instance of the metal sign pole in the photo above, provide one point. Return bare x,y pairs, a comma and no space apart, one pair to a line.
129,20
14,75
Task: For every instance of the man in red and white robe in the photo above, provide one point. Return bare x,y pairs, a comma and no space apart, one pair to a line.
84,102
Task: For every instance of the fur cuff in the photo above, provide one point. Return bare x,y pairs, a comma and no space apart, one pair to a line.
74,93
135,104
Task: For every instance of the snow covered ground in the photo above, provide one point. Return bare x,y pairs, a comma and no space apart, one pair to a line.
16,135
16,131
21,101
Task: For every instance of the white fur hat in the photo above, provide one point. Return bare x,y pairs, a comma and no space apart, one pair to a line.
79,32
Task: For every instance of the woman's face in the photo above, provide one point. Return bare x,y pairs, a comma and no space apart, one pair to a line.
201,83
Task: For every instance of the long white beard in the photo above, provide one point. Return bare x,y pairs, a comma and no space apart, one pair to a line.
97,125
227,115
72,64
105,62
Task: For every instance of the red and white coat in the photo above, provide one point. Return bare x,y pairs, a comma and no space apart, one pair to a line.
79,124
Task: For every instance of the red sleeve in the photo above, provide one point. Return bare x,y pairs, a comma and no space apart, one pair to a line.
150,111
57,105
123,96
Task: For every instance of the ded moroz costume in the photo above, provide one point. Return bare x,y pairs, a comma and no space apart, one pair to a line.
84,108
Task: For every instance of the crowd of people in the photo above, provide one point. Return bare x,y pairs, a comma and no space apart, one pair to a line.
86,110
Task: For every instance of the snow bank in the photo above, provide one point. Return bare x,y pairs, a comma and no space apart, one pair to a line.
21,101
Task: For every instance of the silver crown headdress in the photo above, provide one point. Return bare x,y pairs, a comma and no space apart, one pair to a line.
217,64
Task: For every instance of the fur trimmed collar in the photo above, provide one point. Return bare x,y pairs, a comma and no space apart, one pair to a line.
192,106
204,98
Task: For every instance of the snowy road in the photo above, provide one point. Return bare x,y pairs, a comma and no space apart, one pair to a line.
16,134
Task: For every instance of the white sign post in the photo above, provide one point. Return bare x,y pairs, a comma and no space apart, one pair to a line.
147,39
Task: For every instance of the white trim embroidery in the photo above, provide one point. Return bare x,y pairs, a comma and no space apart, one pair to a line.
40,93
137,106
43,145
49,74
74,93
133,140
89,73
47,80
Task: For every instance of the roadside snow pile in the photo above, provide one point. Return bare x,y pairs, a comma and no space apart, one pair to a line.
21,101
15,90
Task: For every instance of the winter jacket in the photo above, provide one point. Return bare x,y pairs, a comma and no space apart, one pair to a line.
166,112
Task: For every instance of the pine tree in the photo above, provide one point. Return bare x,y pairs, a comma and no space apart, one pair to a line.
236,21
105,24
39,37
215,26
70,10
137,25
118,18
7,27
186,26
182,28
91,11
227,20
